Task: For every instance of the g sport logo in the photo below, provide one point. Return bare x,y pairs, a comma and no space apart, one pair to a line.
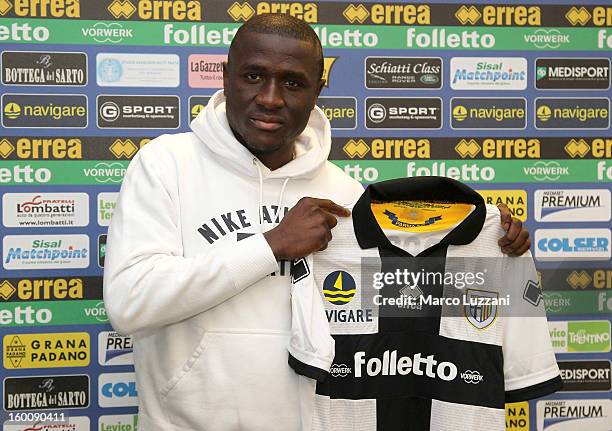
403,113
572,113
196,104
585,375
403,72
488,73
516,200
69,349
580,336
206,70
339,287
138,112
107,201
44,68
46,392
575,205
572,73
115,349
117,390
45,209
488,113
118,422
44,110
137,70
340,111
45,251
72,423
559,415
572,244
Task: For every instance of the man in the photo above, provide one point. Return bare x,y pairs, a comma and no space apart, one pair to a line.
197,232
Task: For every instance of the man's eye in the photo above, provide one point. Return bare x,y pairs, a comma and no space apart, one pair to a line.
252,76
292,83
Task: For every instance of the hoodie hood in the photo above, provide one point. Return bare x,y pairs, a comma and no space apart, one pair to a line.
311,147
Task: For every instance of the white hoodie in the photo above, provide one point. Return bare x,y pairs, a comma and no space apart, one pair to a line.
187,272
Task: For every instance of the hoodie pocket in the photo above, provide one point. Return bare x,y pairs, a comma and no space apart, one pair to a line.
235,380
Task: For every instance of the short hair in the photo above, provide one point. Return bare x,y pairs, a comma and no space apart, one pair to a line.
282,25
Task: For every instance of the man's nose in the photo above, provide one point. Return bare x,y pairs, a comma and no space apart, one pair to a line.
270,95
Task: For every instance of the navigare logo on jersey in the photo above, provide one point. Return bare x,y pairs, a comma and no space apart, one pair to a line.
46,392
71,423
45,209
107,201
196,104
585,375
488,113
572,73
206,70
138,112
46,350
572,113
340,111
403,72
591,414
115,349
516,200
45,251
403,113
137,70
488,73
44,110
574,205
118,423
572,244
117,390
580,336
44,68
339,287
107,172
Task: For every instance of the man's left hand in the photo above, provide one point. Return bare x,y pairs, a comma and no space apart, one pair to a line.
516,241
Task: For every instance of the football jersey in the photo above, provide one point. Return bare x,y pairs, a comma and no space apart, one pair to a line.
414,285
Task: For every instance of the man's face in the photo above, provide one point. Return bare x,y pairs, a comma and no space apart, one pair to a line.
271,84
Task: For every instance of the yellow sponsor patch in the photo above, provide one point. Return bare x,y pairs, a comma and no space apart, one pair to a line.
70,349
419,216
516,200
517,416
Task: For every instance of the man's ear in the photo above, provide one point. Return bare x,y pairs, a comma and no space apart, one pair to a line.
321,85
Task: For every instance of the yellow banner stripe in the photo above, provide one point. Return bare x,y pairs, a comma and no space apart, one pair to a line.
338,299
339,292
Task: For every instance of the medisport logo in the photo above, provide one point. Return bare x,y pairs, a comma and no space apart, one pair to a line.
488,73
572,244
137,70
572,73
590,414
45,209
403,112
107,201
403,72
117,390
45,251
580,376
115,349
580,336
573,205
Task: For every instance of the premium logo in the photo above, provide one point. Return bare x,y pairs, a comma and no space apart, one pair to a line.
572,113
339,287
403,113
583,336
572,244
118,422
104,172
588,414
117,390
441,38
156,10
206,70
388,14
41,289
70,349
46,392
44,110
44,68
488,113
572,73
103,32
72,423
45,251
107,201
140,112
196,104
45,209
115,349
42,8
488,73
576,205
101,250
516,200
517,416
137,70
547,38
340,111
585,375
403,72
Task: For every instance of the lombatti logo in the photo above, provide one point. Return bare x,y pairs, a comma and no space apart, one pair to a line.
45,251
45,209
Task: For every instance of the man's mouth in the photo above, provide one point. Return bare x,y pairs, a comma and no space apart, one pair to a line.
267,124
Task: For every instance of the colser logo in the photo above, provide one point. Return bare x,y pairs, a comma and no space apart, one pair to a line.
117,390
562,244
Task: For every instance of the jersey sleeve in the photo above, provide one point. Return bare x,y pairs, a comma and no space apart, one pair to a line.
530,366
311,346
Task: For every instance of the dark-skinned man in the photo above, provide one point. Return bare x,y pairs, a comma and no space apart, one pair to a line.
196,266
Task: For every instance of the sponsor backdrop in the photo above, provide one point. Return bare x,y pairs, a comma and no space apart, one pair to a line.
511,98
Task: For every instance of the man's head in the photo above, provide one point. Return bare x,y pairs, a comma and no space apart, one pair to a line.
272,79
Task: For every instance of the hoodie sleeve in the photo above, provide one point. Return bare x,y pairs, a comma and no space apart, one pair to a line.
147,281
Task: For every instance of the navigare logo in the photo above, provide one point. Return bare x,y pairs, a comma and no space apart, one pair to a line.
196,104
103,32
580,336
572,113
206,70
44,110
547,38
585,375
574,205
403,72
104,172
69,349
45,251
46,392
72,423
118,422
340,111
488,113
115,349
117,390
516,200
591,414
45,209
403,113
546,171
572,73
137,70
488,73
138,112
107,201
44,68
572,244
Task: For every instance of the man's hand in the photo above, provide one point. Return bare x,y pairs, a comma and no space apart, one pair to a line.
516,240
305,229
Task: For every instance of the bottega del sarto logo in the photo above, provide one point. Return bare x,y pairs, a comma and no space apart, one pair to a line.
428,366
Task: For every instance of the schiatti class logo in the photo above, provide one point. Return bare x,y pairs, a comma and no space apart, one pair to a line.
395,221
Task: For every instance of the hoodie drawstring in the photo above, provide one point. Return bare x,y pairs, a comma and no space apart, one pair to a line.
280,200
280,197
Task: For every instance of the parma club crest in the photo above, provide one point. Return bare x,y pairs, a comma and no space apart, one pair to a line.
480,307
